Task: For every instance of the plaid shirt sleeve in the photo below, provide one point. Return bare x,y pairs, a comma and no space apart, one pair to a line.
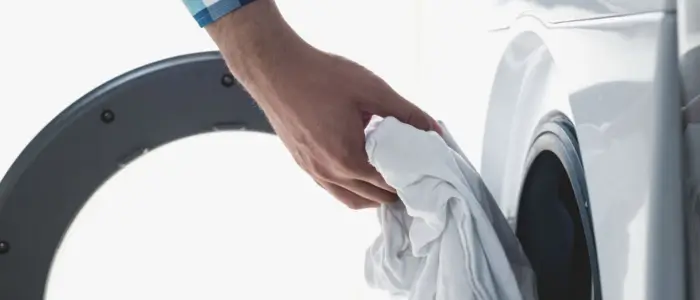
206,12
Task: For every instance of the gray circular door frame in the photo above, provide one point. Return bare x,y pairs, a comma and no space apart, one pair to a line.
92,139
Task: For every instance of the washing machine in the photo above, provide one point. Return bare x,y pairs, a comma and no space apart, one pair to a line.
590,145
589,141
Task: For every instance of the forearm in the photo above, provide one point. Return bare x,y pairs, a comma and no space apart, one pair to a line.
257,44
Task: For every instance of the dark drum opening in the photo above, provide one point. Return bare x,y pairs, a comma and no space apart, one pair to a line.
551,231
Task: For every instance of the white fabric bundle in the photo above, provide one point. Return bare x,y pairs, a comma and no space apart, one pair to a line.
446,239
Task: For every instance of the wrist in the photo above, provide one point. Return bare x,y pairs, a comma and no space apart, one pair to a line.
258,44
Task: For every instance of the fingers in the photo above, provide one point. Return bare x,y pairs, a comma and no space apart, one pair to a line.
370,175
350,199
363,182
403,110
369,191
355,191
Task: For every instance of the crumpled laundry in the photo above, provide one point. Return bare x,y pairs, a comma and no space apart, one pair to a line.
447,238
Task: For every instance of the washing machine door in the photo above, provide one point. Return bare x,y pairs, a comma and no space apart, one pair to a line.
95,137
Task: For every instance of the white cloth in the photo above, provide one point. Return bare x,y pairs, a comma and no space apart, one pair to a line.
446,239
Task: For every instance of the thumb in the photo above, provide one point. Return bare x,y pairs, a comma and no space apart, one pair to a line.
406,112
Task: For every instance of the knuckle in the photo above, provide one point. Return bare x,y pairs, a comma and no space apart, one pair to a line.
318,170
348,162
388,198
355,205
320,183
369,173
345,156
420,121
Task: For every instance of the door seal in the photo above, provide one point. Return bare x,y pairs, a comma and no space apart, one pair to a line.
691,111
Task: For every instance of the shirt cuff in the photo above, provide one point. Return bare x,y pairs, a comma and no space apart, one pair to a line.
206,12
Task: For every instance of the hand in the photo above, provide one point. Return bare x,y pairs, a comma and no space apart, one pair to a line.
320,109
317,103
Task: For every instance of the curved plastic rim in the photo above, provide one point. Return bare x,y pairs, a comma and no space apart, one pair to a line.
96,136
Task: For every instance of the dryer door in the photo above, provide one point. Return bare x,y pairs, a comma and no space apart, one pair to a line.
94,138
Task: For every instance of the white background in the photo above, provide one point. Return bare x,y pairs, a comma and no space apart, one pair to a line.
226,215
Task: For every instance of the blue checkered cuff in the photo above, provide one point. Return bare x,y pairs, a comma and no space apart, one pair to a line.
206,12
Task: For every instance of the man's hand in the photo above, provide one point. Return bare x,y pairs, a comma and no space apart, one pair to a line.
317,103
323,108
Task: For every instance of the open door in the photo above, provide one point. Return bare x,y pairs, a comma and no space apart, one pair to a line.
95,137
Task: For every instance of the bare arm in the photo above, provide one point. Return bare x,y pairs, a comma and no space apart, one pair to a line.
316,102
259,47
